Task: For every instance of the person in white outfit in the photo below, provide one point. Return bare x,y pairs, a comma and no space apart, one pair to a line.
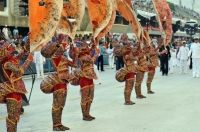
111,56
6,32
195,52
173,60
183,57
39,61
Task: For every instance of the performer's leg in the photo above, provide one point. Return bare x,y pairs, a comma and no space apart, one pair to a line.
90,99
149,81
139,79
84,100
127,91
59,98
14,110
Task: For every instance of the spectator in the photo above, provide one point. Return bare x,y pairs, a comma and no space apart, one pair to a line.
39,61
164,53
5,32
111,56
173,59
100,61
183,57
195,53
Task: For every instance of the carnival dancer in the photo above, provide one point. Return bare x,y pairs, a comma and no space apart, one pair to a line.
142,68
56,83
152,61
87,74
12,87
127,73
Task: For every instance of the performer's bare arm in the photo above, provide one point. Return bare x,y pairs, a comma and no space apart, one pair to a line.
13,68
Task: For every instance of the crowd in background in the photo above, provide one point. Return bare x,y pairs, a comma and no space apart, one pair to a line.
185,56
178,57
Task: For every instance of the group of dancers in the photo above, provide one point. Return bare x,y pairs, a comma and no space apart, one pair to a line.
137,60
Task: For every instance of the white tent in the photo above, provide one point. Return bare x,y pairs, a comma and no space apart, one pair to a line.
145,14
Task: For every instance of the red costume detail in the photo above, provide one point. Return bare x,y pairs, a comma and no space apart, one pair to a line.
59,86
85,82
130,75
16,96
151,68
56,83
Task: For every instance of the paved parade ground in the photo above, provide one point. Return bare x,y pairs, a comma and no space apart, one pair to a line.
174,108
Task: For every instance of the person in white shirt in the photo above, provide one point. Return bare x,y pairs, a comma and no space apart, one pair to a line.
195,52
39,61
5,32
111,56
183,57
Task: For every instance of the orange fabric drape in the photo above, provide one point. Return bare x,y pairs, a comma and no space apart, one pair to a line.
164,16
36,16
43,22
97,11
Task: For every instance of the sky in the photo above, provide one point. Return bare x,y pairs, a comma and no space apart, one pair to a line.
188,3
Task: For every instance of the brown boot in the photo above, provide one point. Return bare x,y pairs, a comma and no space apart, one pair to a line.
138,92
88,111
59,99
85,113
127,92
149,89
56,117
127,96
11,125
14,110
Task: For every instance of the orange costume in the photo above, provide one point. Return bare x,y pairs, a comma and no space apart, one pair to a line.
128,73
142,68
12,86
86,77
152,61
56,82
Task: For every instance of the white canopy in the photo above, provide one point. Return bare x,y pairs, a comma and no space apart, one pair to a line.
145,14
